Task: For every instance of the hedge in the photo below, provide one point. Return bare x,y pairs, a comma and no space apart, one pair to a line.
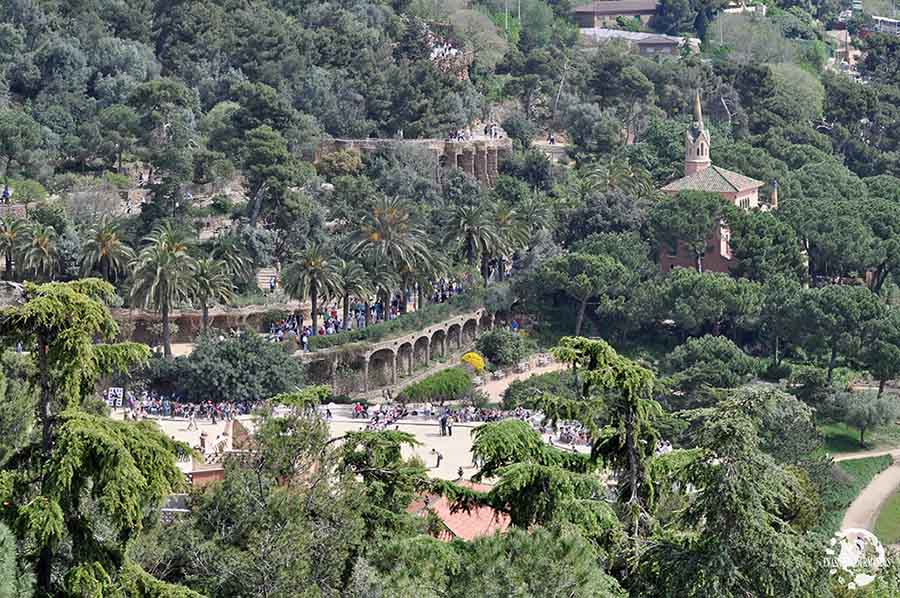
524,393
447,385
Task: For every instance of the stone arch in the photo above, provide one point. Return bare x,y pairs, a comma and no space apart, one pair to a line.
405,359
454,337
380,369
469,331
439,343
422,352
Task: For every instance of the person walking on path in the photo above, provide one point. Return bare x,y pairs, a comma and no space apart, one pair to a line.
192,422
439,457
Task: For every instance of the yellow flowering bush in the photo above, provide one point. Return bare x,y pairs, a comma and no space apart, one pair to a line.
475,360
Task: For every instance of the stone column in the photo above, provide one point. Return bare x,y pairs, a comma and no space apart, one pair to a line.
492,167
366,374
481,162
428,353
334,368
394,370
412,359
467,161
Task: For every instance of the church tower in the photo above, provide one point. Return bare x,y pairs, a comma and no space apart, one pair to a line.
696,143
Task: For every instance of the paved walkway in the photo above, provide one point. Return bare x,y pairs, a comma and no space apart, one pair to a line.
863,512
456,450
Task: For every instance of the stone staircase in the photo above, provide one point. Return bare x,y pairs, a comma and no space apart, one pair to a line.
264,275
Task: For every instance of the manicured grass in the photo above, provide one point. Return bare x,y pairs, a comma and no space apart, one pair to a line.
841,438
849,480
887,526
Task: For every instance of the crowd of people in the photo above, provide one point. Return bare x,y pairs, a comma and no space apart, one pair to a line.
153,405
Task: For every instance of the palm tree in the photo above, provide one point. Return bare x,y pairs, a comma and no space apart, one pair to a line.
473,228
389,235
313,275
212,282
384,279
40,254
105,251
512,233
353,282
12,234
230,249
163,275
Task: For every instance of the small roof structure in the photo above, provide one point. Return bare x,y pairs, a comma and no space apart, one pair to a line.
714,179
478,522
616,7
599,35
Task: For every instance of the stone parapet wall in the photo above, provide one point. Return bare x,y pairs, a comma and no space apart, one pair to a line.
479,158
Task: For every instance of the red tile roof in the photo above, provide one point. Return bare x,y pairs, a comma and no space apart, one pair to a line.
480,521
715,180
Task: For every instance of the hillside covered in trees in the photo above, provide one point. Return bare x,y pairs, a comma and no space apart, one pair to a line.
163,157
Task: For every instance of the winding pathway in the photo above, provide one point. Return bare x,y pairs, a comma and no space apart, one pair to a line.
863,511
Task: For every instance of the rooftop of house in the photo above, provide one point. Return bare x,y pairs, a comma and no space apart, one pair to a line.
615,7
601,35
714,180
478,522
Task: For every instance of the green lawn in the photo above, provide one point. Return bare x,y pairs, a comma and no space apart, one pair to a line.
851,477
887,526
841,438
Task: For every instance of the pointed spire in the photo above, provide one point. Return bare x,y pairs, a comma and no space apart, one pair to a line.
698,111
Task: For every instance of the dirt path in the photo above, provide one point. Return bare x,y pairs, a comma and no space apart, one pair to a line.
495,388
864,454
864,510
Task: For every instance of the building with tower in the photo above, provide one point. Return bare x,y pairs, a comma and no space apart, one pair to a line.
700,174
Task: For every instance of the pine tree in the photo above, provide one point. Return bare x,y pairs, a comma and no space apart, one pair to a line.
83,481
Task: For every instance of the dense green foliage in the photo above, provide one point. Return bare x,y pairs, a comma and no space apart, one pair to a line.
529,392
246,368
503,347
174,148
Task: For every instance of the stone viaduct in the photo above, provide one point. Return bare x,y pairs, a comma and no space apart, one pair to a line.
479,157
384,361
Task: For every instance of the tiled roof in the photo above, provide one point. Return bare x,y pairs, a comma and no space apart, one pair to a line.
715,180
614,7
478,522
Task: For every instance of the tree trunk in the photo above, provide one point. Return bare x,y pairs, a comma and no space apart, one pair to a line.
45,559
314,300
346,311
862,436
881,387
104,268
582,307
700,262
832,362
777,351
257,205
485,269
204,316
420,296
8,274
368,314
167,332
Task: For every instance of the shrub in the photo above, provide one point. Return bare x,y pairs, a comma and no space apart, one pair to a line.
503,347
523,393
475,360
242,368
710,361
26,190
447,385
